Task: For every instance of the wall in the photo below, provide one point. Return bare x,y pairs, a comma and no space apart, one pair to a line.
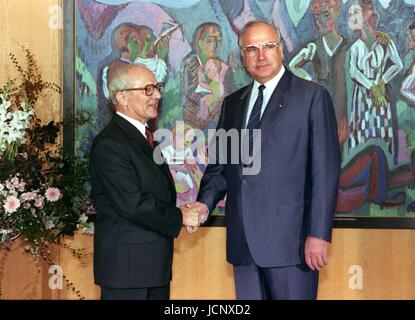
200,271
28,23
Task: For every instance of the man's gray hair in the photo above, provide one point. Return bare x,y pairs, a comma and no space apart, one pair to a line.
119,77
254,23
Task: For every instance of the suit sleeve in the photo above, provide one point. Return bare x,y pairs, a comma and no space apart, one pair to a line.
213,186
116,178
325,166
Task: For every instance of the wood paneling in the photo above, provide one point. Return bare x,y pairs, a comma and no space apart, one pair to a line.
21,279
79,271
32,24
386,258
200,270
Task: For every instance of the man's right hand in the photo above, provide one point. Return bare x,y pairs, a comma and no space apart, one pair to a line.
201,208
203,213
190,216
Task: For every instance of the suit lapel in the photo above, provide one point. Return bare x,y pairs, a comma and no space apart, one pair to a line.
279,100
139,142
240,117
134,135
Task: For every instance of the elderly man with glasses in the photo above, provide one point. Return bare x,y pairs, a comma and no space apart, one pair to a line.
135,197
278,218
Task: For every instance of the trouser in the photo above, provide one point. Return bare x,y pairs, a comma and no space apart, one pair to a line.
296,282
158,293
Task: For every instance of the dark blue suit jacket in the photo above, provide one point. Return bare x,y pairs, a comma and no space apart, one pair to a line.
294,194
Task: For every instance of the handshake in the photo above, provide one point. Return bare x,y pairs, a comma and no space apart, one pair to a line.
193,215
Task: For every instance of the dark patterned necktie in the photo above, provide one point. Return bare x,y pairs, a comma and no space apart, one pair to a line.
149,136
255,117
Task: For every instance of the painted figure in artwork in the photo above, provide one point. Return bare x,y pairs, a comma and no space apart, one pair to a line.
182,163
407,88
326,54
135,44
374,62
365,178
206,78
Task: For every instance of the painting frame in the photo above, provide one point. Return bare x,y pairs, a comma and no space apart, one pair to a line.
69,102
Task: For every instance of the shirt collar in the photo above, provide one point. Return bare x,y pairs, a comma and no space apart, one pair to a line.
141,127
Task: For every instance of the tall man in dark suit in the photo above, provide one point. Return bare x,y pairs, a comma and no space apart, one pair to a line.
278,220
135,197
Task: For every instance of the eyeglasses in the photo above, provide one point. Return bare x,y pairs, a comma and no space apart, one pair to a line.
253,49
149,89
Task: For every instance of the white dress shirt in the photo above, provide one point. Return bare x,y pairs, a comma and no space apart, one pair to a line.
141,127
269,89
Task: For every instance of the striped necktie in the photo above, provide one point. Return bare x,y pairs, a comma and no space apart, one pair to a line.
255,117
149,136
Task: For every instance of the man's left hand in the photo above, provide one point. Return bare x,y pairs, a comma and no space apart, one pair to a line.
316,253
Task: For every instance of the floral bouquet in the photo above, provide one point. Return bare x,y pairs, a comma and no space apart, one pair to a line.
44,193
21,204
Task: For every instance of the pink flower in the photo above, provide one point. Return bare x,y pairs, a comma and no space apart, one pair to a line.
22,186
28,196
53,194
9,185
15,182
39,202
12,204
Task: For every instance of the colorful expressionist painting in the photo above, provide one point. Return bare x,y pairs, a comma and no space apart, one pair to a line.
362,51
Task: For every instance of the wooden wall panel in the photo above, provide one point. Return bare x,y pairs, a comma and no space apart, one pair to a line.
33,25
386,259
200,270
79,271
21,279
